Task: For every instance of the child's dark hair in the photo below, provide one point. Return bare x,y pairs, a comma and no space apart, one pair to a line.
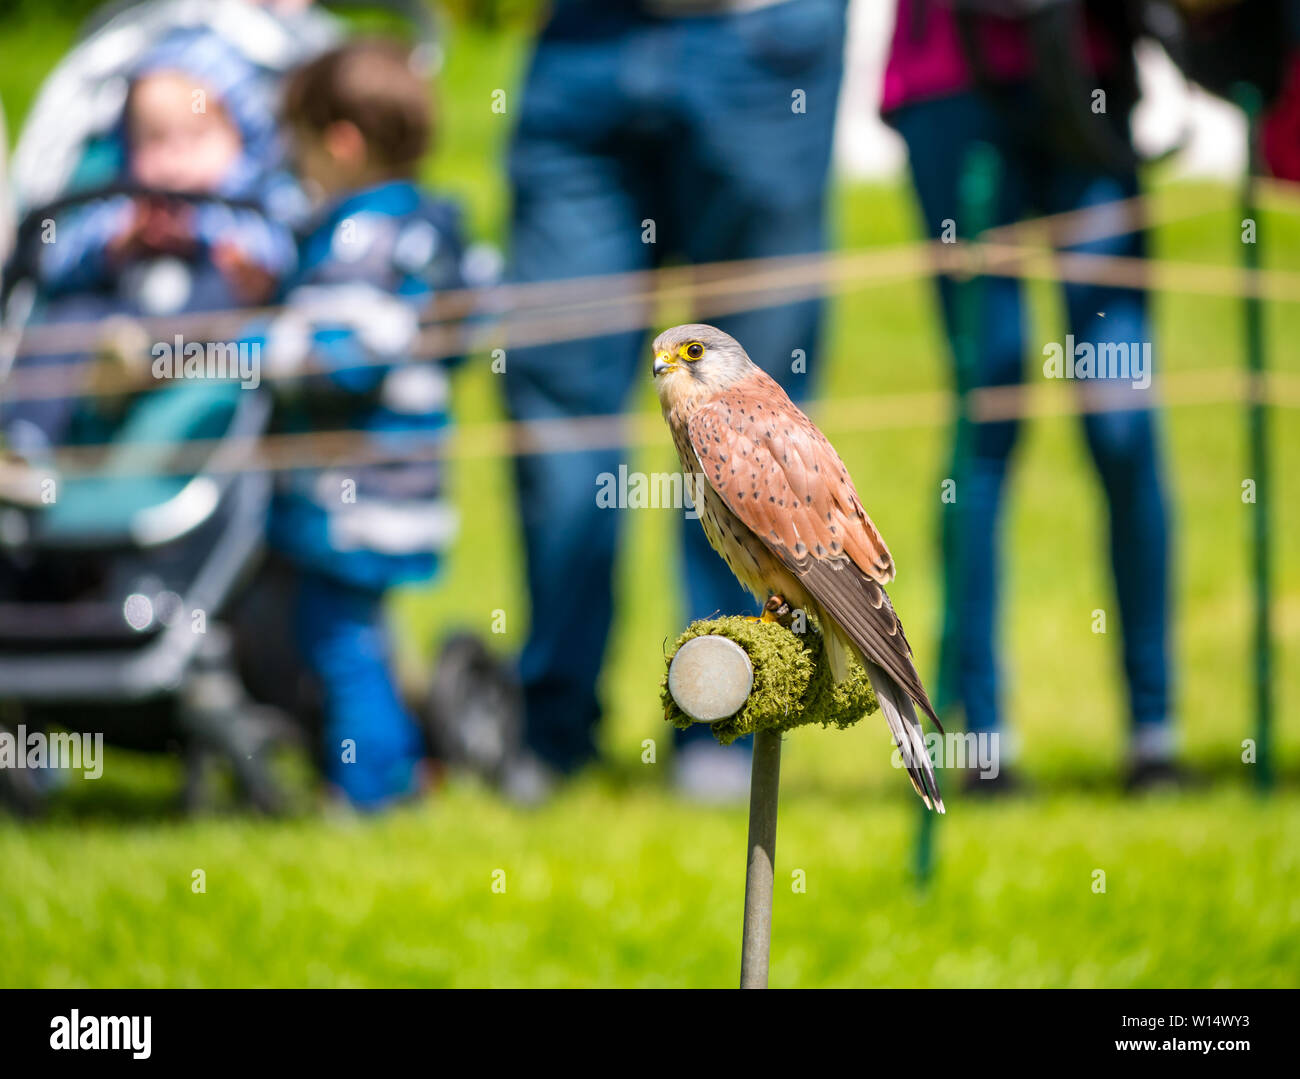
368,82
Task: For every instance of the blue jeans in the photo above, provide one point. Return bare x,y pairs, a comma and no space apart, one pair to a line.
371,743
690,123
1123,444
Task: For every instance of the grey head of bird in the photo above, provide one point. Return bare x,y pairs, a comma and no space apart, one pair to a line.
696,359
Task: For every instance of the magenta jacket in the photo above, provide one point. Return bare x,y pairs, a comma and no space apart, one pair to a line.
926,59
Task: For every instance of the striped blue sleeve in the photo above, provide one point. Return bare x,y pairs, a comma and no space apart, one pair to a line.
75,257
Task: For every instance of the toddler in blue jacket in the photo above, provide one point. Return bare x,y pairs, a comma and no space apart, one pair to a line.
343,356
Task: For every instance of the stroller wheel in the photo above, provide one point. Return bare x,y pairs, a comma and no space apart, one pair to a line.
474,712
21,790
224,727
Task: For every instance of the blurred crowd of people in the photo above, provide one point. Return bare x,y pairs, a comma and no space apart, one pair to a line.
710,122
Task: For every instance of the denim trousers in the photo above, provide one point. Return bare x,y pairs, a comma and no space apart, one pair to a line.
372,743
1123,444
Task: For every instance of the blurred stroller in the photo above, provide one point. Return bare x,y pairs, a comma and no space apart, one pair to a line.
137,603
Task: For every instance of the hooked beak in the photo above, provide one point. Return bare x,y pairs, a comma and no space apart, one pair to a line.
662,363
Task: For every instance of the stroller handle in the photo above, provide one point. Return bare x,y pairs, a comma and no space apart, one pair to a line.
22,261
422,15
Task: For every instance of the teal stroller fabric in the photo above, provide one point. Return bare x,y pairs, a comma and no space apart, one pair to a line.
148,460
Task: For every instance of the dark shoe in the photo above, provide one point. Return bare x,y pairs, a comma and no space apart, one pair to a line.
1005,783
527,782
474,714
1154,775
710,774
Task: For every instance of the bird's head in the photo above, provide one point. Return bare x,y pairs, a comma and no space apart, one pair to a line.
696,359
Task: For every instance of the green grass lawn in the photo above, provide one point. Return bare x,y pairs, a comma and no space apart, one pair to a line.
624,886
618,883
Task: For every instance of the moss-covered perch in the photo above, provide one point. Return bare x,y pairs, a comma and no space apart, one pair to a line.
792,681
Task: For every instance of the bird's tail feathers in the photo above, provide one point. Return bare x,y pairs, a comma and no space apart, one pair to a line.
900,714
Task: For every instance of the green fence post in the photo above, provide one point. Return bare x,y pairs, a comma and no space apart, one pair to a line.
1248,97
976,198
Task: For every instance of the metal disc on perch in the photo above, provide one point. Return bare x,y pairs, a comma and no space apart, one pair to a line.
710,678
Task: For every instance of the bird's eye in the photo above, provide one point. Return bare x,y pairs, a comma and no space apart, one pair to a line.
694,350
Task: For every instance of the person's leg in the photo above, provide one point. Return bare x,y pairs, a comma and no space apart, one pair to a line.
372,745
1124,445
939,137
578,208
748,180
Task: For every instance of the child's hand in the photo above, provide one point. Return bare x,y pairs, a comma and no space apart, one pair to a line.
252,284
121,363
156,227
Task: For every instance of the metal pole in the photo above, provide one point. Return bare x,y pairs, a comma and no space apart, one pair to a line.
764,783
1248,98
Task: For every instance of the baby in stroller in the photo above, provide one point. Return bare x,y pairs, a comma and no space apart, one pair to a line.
115,579
186,228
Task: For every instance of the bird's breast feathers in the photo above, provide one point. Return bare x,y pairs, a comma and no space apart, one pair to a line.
778,474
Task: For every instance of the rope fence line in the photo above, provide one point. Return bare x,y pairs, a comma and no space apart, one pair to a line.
1282,196
798,278
514,316
339,449
627,302
720,289
1072,226
1130,271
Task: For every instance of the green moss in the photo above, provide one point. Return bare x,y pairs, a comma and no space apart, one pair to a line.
792,681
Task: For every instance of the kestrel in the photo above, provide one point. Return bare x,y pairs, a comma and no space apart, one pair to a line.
777,504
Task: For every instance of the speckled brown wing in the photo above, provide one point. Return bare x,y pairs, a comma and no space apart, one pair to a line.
780,476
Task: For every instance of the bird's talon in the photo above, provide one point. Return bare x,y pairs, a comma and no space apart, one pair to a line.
777,610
